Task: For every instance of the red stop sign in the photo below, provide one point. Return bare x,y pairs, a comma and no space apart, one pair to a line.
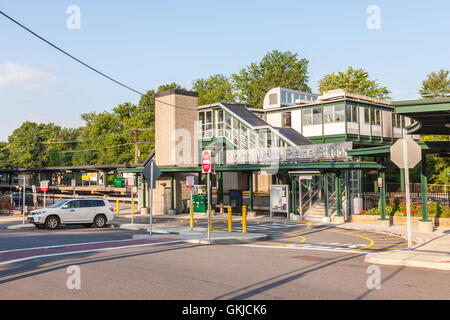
206,161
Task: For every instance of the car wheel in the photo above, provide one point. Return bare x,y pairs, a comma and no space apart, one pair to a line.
52,222
99,221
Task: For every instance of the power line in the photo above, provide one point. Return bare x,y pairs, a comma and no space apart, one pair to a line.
97,137
68,54
101,148
83,63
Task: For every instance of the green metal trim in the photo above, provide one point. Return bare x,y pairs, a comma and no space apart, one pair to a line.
355,165
250,189
130,170
383,195
338,195
431,146
172,194
325,193
423,188
180,169
402,180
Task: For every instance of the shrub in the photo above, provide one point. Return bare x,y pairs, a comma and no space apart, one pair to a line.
445,213
373,211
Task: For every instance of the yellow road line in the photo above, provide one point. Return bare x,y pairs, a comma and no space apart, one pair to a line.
302,239
356,235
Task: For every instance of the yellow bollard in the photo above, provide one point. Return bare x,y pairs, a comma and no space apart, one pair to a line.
191,218
210,218
230,222
117,206
133,205
244,219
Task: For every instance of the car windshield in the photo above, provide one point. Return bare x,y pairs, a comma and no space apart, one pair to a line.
59,204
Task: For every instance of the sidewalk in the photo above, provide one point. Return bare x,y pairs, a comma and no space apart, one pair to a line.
10,218
196,235
432,250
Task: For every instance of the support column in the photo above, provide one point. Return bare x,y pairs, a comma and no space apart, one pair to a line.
423,188
172,195
425,225
220,187
338,195
144,195
347,192
105,178
402,180
172,192
325,194
251,212
383,196
293,195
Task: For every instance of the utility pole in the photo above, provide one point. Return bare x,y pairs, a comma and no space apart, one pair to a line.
136,146
40,153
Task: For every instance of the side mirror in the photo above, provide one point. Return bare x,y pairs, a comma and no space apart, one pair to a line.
65,206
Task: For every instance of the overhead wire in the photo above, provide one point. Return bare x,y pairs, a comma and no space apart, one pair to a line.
84,63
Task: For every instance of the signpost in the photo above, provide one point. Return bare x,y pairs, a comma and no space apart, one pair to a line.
25,179
33,188
406,154
151,172
207,168
44,187
190,180
130,182
74,186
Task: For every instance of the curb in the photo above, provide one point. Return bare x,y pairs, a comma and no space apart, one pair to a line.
417,239
21,226
228,241
372,258
213,241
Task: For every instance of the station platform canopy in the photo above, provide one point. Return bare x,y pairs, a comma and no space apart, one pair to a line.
432,116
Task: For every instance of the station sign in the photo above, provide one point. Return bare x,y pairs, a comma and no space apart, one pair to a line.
190,181
291,154
130,181
44,185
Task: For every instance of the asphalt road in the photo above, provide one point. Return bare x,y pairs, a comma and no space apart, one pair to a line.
299,261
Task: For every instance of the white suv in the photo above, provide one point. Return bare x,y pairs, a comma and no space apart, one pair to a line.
86,211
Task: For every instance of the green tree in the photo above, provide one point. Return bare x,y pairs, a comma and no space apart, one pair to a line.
216,88
4,155
27,141
354,81
436,85
276,69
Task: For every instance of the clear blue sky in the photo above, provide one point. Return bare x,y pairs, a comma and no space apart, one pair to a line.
148,43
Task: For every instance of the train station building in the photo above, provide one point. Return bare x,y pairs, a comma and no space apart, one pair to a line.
315,145
302,156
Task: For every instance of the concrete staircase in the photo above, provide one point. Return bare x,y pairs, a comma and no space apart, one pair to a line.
317,212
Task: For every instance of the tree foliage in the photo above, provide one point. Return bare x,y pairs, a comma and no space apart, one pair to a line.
354,81
436,85
276,69
216,88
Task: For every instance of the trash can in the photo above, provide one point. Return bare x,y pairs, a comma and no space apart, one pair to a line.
236,200
118,182
199,201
